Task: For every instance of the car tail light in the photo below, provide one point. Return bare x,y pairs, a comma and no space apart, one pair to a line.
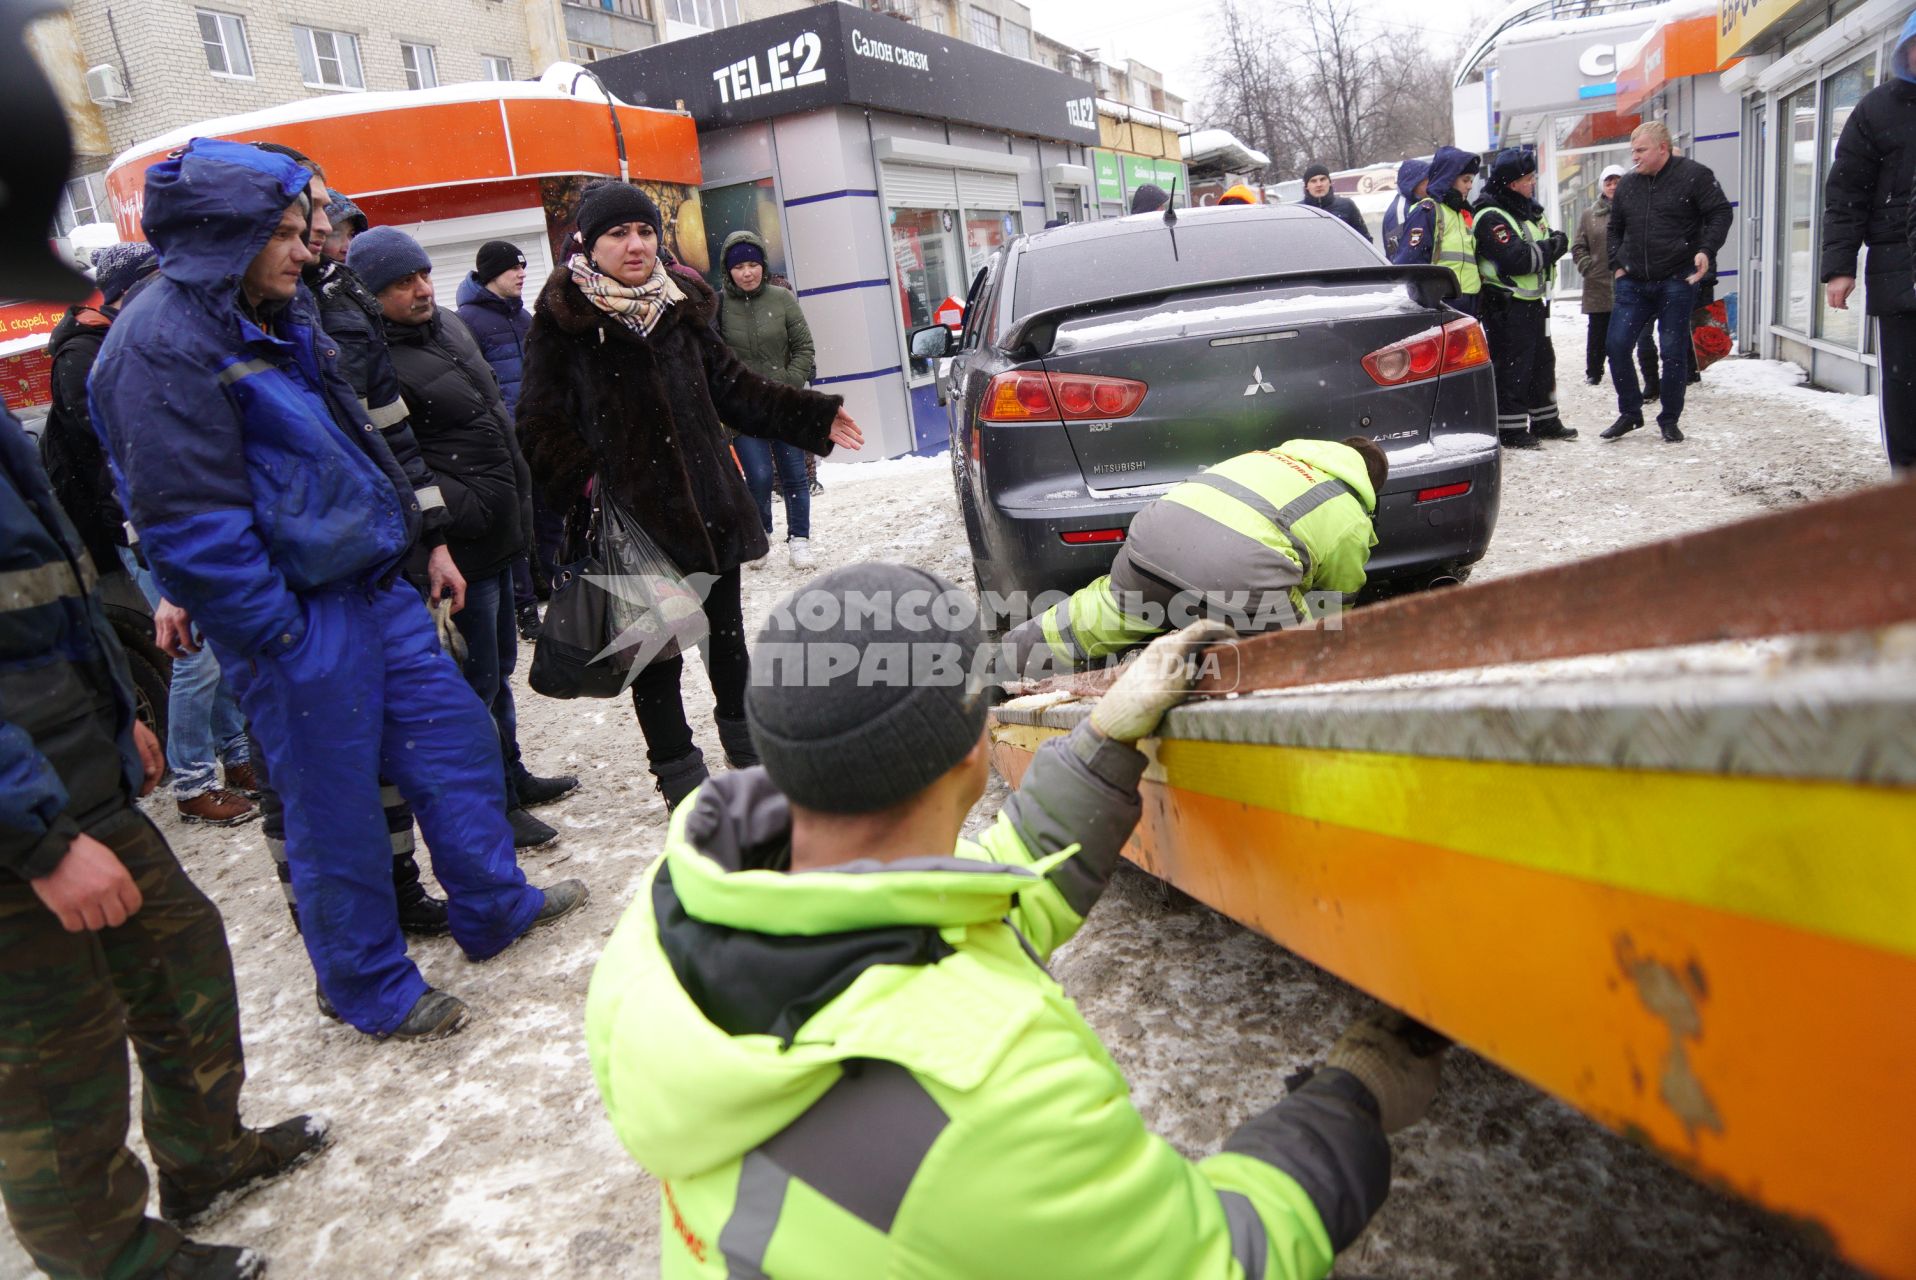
1444,491
1449,348
1034,396
1087,537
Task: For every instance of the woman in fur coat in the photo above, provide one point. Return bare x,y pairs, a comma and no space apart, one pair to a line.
626,381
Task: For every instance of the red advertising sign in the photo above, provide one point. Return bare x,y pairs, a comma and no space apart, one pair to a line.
950,313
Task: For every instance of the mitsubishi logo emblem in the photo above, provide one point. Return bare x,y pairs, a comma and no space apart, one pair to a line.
1257,382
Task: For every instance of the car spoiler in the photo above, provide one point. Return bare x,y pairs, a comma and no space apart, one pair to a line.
1033,335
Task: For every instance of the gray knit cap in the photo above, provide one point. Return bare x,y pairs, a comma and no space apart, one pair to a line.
861,693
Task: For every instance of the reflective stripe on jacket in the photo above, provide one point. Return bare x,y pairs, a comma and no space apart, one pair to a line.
1456,249
1526,286
866,1071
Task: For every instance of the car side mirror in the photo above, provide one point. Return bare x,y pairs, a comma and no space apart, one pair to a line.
933,342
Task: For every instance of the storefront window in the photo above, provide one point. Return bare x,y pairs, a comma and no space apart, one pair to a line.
1841,92
924,246
1796,278
1578,189
985,233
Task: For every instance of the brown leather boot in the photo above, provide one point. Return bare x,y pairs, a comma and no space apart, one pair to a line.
243,779
218,808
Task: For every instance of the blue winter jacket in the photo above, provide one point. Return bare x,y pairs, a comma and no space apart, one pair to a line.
241,455
1409,174
1419,232
66,702
500,324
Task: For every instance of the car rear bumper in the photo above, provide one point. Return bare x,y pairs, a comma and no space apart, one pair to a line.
1027,551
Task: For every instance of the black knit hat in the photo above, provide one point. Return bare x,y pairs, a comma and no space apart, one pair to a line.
611,203
861,692
744,251
1511,164
1149,198
1316,171
496,257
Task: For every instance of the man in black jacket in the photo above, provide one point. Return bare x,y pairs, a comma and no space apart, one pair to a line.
1866,201
1317,194
1667,222
466,436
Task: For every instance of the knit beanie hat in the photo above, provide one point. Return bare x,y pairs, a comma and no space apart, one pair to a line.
496,257
118,267
385,254
861,692
1149,198
611,203
1316,171
341,211
744,251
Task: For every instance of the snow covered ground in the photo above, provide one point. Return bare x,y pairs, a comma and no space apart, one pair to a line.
488,1154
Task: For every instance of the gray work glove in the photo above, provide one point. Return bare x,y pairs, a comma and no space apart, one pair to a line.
1158,680
449,638
1397,1058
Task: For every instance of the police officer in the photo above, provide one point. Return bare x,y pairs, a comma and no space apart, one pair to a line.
1516,256
1245,542
102,936
1438,228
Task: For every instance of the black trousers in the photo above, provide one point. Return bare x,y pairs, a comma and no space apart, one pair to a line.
655,693
1597,337
1896,392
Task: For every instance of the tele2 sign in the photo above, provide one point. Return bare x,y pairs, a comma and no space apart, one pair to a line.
792,64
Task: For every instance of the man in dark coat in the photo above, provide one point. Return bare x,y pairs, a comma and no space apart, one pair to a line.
1318,195
1668,221
630,384
1867,201
466,436
273,511
491,302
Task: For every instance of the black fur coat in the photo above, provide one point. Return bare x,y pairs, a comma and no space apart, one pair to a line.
644,413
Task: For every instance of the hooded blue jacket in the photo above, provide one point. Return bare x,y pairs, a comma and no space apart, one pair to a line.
1419,232
241,455
1409,174
500,325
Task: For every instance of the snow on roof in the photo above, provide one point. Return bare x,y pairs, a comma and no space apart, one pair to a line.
555,84
1222,144
1652,15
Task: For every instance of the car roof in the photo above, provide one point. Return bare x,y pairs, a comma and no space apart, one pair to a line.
1143,224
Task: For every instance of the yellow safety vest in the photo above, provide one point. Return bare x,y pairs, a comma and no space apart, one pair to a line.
1529,287
1457,249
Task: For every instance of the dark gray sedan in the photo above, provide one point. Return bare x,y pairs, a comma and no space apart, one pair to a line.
1102,363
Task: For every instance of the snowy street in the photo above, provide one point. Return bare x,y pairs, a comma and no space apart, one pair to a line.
488,1154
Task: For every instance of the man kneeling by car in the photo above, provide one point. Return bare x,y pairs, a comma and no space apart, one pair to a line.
824,1024
1245,542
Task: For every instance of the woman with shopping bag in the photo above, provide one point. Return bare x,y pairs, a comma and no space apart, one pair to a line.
626,381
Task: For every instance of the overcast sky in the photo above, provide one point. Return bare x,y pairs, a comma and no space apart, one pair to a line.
1175,35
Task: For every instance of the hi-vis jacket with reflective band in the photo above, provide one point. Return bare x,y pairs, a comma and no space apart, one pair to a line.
1456,249
1501,235
1307,501
865,1071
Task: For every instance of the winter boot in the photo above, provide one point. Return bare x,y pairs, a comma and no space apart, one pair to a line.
218,808
283,1148
196,1261
1552,429
529,623
528,832
243,779
1518,439
420,914
1670,433
434,1016
1625,423
679,778
800,551
562,899
736,737
533,791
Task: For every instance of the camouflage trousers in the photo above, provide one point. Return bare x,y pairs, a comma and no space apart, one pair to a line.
69,1003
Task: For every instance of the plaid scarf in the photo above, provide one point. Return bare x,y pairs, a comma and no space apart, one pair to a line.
639,308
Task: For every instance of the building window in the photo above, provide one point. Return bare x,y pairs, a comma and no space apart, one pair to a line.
933,22
710,14
82,200
496,68
223,36
422,68
1017,41
625,8
586,53
1841,92
1797,279
984,28
328,59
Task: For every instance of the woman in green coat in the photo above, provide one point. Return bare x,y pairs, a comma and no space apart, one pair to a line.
764,327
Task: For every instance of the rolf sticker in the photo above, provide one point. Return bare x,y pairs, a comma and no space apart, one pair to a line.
791,65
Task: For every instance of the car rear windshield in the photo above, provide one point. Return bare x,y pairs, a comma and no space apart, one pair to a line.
1067,271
